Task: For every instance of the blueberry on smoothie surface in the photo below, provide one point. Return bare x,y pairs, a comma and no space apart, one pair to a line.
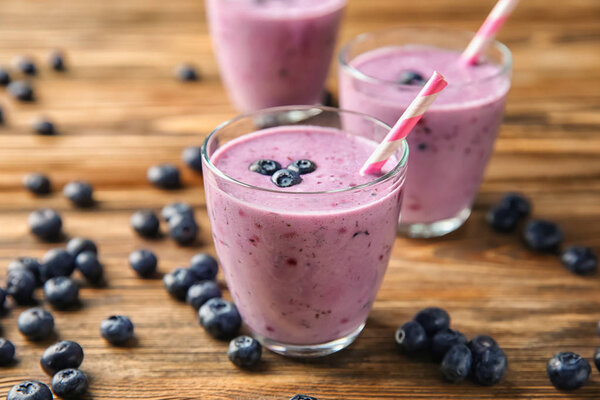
580,260
36,323
69,383
302,166
30,390
45,223
62,355
542,236
568,371
286,178
37,183
411,337
116,329
44,127
265,167
4,77
409,77
433,320
7,351
80,193
21,90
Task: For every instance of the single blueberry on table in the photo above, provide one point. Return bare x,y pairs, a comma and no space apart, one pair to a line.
37,183
164,176
30,390
21,90
444,340
143,262
597,358
26,66
145,223
409,77
117,329
516,202
57,262
186,73
61,292
44,127
20,285
411,337
244,351
543,236
201,292
580,260
183,229
28,263
69,383
489,366
178,282
204,266
302,166
502,219
220,318
78,245
45,223
303,397
177,208
456,364
36,323
265,167
80,193
87,263
56,60
479,344
192,157
7,351
568,371
286,178
4,77
62,355
433,320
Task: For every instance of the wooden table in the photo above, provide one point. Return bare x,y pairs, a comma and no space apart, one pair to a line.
119,110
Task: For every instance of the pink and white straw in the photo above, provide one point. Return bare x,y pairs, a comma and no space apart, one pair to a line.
485,35
405,124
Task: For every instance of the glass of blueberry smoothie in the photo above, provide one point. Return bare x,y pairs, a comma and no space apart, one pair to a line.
381,72
303,238
274,52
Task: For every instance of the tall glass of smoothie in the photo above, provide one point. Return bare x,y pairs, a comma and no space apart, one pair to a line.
304,249
381,72
274,52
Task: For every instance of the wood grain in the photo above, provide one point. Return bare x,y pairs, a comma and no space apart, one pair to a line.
119,110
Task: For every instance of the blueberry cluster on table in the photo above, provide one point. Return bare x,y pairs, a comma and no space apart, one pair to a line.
283,177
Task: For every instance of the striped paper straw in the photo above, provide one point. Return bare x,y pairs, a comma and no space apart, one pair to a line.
485,35
405,124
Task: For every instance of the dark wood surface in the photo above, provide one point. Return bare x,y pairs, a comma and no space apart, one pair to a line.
119,110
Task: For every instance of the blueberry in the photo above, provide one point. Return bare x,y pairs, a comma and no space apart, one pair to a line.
183,229
116,329
597,358
204,266
411,337
4,77
479,344
178,281
186,73
61,292
286,178
26,66
568,371
57,262
302,166
80,193
303,397
580,260
502,219
443,340
36,323
543,236
57,61
21,90
30,264
78,245
410,77
61,355
265,167
143,262
489,366
30,390
37,183
20,285
145,223
69,383
456,363
220,318
201,292
2,299
173,209
516,202
7,352
87,263
192,157
244,351
45,223
433,320
164,176
44,127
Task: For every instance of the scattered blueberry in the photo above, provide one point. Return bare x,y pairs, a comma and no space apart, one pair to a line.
303,397
456,363
173,209
20,285
568,371
183,229
204,266
597,358
220,318
36,323
192,157
78,245
543,236
244,351
145,223
61,355
201,292
302,166
61,292
286,178
433,320
30,264
45,223
143,262
80,193
479,344
69,383
57,262
21,90
30,390
117,329
164,176
26,66
411,337
37,183
186,73
409,77
44,127
265,167
580,260
4,77
444,340
516,202
7,352
87,263
502,219
178,281
57,60
489,366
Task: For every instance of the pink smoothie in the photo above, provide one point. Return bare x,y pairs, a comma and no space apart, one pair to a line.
274,52
303,268
452,144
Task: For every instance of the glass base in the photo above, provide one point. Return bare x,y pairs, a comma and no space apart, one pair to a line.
311,350
435,229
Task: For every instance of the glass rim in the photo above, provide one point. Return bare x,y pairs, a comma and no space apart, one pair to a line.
399,167
356,73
